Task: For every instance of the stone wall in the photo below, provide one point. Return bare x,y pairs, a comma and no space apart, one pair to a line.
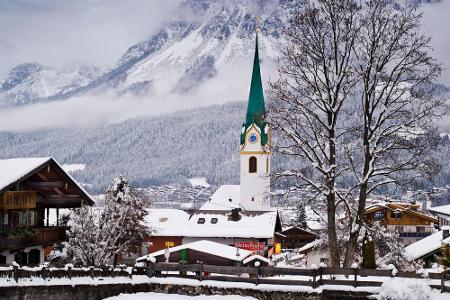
92,292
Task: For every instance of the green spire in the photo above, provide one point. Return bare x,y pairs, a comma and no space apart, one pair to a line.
255,108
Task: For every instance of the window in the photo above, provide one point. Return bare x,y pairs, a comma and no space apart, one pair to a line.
267,165
378,215
396,214
201,221
252,168
214,220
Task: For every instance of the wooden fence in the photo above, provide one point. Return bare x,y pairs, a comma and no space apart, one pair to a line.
256,275
285,276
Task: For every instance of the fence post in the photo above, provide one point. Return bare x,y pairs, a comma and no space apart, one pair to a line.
91,269
320,276
15,272
200,277
443,281
355,281
314,283
149,269
69,272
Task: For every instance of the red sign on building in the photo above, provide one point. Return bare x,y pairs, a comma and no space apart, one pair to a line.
251,246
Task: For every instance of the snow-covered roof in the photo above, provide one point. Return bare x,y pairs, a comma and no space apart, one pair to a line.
410,208
17,169
213,248
425,246
296,227
308,247
12,170
226,197
255,257
214,223
444,209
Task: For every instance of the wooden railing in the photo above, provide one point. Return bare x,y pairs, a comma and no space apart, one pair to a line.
313,278
18,200
283,276
22,237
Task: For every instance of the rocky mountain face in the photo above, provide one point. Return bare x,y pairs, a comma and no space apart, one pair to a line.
209,36
30,82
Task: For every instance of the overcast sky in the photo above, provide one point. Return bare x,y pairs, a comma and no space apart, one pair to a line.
57,32
98,32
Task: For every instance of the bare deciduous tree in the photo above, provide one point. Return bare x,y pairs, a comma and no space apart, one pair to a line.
315,78
396,106
353,103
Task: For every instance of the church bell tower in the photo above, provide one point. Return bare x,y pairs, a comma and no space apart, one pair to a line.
255,147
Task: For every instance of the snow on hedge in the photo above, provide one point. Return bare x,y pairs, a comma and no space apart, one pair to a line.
409,289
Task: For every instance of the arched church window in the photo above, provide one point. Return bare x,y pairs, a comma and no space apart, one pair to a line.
252,168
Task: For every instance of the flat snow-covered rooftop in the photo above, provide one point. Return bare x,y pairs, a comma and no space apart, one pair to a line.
212,224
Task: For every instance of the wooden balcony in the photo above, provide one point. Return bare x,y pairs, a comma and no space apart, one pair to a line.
16,239
18,200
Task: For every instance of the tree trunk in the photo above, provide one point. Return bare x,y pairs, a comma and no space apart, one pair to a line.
115,259
331,228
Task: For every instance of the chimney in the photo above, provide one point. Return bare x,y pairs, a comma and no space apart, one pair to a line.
235,214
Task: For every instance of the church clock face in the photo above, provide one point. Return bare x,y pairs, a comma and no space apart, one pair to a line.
253,138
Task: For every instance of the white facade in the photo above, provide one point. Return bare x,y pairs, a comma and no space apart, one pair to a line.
255,176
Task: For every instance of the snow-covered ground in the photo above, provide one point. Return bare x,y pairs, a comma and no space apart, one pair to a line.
157,296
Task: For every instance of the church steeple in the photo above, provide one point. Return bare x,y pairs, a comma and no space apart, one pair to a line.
255,108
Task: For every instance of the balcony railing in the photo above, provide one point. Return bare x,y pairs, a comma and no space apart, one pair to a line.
13,239
18,200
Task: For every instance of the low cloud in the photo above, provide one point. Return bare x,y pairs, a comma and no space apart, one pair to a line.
230,84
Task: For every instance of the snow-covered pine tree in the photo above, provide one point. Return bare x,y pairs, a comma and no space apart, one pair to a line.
300,218
85,244
122,225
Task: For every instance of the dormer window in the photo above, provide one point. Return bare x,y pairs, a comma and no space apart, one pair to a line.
252,165
201,221
214,220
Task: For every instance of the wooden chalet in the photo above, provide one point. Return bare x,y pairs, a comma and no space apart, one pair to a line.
411,224
295,237
29,189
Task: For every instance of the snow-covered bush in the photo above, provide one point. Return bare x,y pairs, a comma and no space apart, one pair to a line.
405,289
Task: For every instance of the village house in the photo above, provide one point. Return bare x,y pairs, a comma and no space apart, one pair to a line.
32,191
410,223
294,237
442,213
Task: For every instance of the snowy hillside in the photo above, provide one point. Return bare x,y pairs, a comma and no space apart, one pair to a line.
211,36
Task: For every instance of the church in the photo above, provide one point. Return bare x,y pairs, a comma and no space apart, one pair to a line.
235,215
